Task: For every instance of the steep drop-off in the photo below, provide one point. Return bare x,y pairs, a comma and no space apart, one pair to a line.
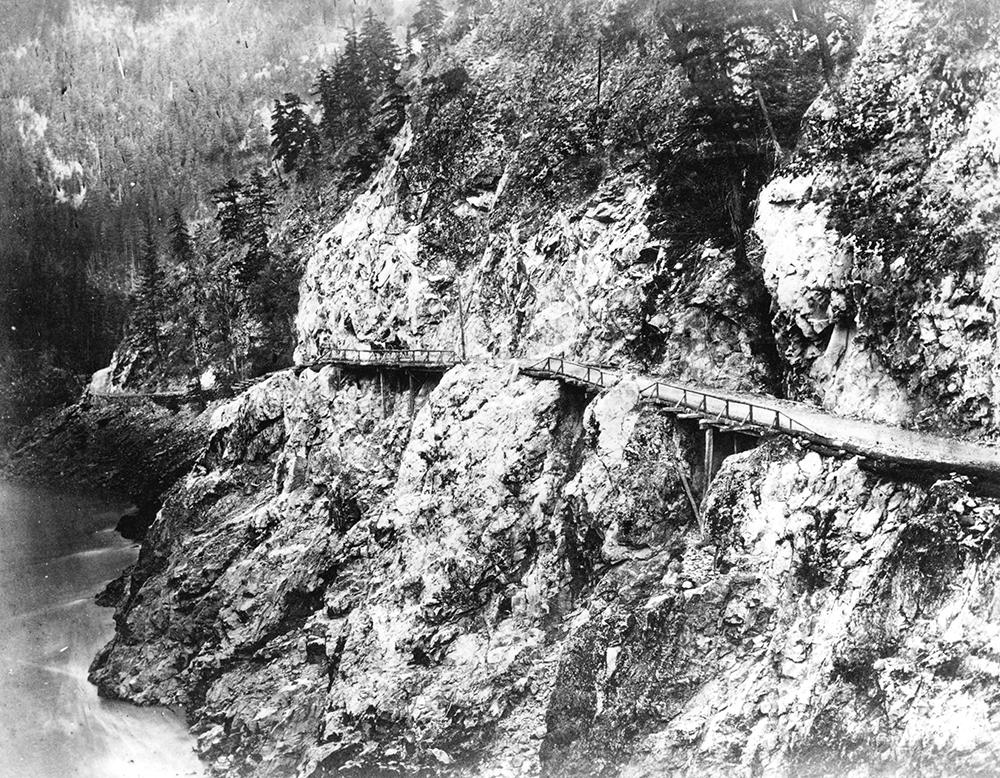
484,574
513,582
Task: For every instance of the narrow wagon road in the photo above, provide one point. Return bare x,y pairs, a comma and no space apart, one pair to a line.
736,411
744,411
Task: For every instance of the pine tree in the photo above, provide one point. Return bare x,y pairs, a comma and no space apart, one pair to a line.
728,51
258,210
296,141
428,19
349,76
229,211
327,90
181,245
148,305
190,280
379,53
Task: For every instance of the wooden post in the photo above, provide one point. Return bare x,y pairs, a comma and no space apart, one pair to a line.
381,383
461,317
690,495
413,395
709,456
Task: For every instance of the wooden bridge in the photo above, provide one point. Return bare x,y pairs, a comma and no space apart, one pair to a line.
737,416
741,414
419,360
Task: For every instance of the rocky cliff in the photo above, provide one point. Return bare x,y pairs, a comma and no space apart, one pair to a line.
490,575
880,236
484,574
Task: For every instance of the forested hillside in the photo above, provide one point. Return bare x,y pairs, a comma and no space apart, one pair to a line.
140,197
113,118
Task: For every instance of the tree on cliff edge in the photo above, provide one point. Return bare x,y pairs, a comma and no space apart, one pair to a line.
229,211
355,93
190,281
258,210
746,89
428,19
296,141
379,53
148,310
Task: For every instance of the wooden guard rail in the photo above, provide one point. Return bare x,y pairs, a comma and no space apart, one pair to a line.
742,412
415,359
733,412
576,372
420,359
709,405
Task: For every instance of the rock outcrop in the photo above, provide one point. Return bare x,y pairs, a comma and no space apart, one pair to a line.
480,574
512,580
881,235
584,277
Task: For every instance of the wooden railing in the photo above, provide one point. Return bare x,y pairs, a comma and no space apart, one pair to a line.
591,375
739,412
734,412
742,412
402,358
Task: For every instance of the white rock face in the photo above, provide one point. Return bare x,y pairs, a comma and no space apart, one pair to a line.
935,170
807,267
570,288
853,383
101,383
363,281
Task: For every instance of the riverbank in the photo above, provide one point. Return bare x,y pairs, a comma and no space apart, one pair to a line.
138,448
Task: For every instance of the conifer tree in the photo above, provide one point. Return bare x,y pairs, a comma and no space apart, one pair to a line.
327,90
349,76
190,280
149,291
379,53
229,213
181,245
296,141
729,130
258,210
428,19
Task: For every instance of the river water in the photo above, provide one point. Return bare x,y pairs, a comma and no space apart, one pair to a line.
56,551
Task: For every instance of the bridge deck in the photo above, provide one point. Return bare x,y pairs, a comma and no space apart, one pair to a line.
752,413
423,360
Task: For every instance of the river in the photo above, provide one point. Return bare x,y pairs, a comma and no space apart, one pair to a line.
56,551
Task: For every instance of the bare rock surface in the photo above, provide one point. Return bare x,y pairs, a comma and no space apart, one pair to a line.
511,581
481,574
880,237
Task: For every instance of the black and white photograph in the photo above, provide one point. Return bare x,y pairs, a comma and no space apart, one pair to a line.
499,388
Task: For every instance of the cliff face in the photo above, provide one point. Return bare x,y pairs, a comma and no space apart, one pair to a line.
483,574
881,235
335,585
458,250
512,581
